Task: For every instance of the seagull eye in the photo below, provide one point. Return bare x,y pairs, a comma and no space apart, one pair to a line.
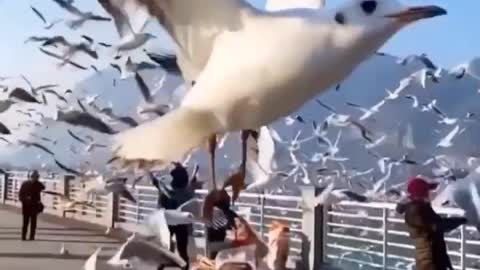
340,18
369,6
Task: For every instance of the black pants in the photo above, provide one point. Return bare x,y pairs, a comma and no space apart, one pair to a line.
29,216
181,236
215,236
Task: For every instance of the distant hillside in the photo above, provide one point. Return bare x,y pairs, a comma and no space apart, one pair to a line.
396,121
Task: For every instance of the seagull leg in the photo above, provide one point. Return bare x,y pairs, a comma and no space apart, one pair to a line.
212,145
237,180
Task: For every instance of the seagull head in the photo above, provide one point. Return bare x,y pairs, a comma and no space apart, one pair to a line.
378,20
378,13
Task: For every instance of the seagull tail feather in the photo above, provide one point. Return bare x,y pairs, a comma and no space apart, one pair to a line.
168,138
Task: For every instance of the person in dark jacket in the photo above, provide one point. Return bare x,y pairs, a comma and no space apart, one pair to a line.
181,192
30,198
426,227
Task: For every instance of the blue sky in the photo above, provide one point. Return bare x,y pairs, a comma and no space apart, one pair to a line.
448,40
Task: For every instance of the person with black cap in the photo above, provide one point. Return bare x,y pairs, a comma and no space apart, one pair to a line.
180,193
29,196
426,227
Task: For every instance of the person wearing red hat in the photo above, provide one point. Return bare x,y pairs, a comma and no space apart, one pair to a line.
426,227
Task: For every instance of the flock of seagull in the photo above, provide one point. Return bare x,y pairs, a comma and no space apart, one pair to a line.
215,57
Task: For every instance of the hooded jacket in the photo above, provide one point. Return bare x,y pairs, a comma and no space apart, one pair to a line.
427,230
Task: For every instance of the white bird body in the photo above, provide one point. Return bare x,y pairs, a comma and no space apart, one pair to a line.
129,26
275,76
275,5
282,75
157,224
465,194
447,140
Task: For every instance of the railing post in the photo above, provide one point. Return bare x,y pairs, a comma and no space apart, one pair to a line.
262,214
463,240
111,210
137,219
312,227
4,180
385,238
65,185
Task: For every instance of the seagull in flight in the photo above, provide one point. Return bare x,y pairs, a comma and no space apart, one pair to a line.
210,30
82,16
47,25
130,28
423,58
447,140
444,118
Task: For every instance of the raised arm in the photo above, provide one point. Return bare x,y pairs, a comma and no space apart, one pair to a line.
450,224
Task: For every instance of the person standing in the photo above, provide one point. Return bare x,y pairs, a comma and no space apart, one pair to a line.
30,198
181,192
426,227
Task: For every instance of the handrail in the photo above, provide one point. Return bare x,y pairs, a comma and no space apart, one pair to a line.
346,228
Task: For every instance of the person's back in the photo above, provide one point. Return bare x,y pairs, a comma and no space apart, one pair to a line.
30,197
180,193
30,193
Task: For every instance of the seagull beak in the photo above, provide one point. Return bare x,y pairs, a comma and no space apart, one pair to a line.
413,14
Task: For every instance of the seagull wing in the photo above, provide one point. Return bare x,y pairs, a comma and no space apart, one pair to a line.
39,14
91,262
274,5
68,7
447,140
67,169
4,130
193,206
157,223
151,253
266,149
193,25
116,8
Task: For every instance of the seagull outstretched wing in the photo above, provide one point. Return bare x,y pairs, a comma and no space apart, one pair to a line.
193,25
275,5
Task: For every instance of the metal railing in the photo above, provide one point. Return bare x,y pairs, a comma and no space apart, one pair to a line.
348,235
259,210
374,236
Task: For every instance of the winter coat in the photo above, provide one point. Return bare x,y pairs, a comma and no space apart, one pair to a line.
30,197
427,229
